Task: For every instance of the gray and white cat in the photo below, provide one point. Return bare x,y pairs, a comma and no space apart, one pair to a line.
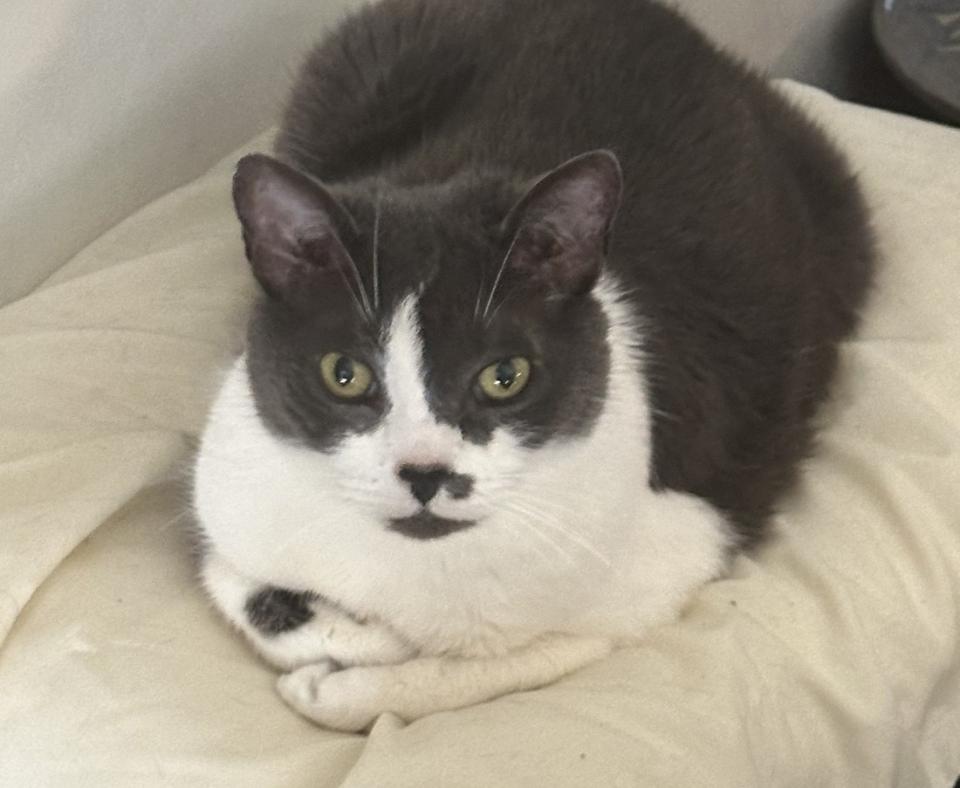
550,293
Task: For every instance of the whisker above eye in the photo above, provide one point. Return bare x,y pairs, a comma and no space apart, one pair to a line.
476,305
375,263
499,276
363,307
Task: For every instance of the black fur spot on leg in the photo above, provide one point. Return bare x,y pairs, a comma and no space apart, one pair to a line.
276,610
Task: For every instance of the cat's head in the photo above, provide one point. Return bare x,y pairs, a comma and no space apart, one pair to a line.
430,342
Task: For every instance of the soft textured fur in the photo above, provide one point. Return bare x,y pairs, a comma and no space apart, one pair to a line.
680,294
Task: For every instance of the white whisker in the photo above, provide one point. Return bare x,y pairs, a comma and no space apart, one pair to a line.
564,554
496,281
534,516
527,516
476,305
497,308
521,532
556,524
368,312
360,306
376,257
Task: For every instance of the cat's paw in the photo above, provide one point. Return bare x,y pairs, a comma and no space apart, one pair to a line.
352,698
344,700
330,634
290,629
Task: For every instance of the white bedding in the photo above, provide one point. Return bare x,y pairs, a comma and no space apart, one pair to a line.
829,658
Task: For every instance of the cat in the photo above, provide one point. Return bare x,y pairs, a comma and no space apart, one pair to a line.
550,292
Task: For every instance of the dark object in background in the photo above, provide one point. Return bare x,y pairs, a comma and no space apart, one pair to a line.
838,53
920,41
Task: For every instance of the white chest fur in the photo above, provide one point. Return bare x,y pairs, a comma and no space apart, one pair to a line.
582,545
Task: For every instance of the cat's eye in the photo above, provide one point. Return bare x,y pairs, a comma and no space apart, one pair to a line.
505,379
345,377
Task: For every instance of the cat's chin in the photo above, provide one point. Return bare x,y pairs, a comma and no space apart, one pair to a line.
426,525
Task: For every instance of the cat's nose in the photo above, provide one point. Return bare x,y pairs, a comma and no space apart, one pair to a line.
424,480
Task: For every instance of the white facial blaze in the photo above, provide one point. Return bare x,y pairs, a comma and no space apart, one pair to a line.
414,437
568,536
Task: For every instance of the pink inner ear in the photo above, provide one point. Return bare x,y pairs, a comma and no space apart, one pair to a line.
278,272
562,224
540,242
554,266
585,199
289,226
318,250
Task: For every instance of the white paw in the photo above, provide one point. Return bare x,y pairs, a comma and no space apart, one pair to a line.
352,698
345,700
332,636
291,630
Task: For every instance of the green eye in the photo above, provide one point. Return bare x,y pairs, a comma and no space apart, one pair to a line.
344,377
505,379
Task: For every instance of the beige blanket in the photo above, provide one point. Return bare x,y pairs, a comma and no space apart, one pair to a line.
830,658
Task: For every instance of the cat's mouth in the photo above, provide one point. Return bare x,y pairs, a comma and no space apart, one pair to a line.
427,525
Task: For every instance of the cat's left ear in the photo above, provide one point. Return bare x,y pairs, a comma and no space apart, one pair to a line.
559,229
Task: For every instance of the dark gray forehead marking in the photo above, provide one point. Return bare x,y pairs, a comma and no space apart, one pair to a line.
448,251
566,343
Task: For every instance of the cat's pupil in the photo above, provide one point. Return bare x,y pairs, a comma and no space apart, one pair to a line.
506,374
343,371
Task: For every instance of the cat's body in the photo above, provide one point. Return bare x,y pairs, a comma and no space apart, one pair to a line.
667,370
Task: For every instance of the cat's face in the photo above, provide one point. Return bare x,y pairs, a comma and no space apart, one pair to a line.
432,347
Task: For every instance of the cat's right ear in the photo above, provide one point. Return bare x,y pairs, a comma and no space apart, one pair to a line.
292,229
561,226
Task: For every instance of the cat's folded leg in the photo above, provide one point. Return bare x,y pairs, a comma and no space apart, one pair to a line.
351,699
290,629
